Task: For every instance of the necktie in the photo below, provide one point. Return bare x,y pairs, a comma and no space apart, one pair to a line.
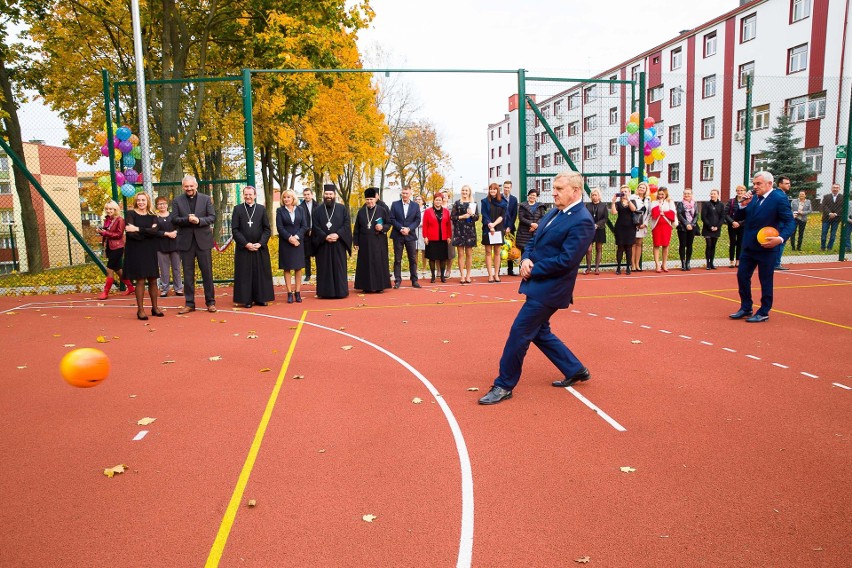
759,200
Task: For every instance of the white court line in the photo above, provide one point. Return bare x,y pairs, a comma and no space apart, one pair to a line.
809,375
665,331
140,435
609,318
600,412
729,350
685,336
755,357
575,311
780,365
627,322
706,343
798,273
594,315
645,326
842,386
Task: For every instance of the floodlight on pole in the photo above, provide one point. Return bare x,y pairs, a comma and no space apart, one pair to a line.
142,105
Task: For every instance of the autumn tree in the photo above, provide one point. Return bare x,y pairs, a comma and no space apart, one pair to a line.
14,61
419,155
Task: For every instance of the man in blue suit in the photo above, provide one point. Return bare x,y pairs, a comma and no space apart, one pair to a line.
769,209
405,218
511,217
549,270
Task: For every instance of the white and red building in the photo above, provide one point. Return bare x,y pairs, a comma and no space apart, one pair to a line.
798,54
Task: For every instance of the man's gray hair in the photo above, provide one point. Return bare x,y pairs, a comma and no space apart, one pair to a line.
189,176
766,176
574,179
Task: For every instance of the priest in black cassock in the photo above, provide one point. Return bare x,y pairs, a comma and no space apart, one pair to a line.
370,239
332,238
252,268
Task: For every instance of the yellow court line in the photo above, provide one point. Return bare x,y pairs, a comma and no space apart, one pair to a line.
831,323
236,498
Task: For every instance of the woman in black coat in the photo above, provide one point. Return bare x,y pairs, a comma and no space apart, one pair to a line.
687,227
292,225
713,217
600,214
529,214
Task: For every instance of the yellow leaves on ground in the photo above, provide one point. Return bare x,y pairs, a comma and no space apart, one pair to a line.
102,339
635,342
582,560
251,503
111,471
215,358
628,469
265,370
369,518
347,347
417,400
146,421
473,389
298,377
168,362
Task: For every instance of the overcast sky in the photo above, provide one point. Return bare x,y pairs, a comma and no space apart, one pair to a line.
563,38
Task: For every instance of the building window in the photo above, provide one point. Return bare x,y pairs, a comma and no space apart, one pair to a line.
545,185
748,28
573,128
557,159
800,10
573,101
492,153
538,185
797,58
508,149
499,132
4,163
677,58
806,108
559,131
674,173
813,158
545,161
499,151
708,128
545,112
498,171
746,71
759,118
674,135
660,130
634,73
543,137
574,155
613,87
537,164
590,151
708,86
492,134
5,188
613,178
710,44
675,97
613,115
508,129
655,94
491,173
590,94
590,123
706,170
508,169
759,162
557,107
7,217
613,146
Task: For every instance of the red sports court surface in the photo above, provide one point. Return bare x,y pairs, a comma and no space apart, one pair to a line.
351,426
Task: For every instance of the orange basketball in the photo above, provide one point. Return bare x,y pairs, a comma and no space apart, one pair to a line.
765,234
85,367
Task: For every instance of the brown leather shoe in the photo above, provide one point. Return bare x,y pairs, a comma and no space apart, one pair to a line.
185,310
212,308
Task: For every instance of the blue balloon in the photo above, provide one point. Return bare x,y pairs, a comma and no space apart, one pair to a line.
127,190
634,172
649,133
128,161
123,133
652,130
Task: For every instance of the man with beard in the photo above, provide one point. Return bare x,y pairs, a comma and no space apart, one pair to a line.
252,269
332,239
370,239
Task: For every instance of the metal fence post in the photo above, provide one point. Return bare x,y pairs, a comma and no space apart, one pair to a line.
747,134
847,172
643,167
522,132
247,121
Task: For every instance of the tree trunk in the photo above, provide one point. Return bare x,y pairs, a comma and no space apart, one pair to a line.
29,220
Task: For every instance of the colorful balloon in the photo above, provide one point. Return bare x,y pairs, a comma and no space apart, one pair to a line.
633,184
633,139
654,142
634,118
649,133
103,182
101,137
130,175
134,139
632,127
127,190
105,150
653,180
634,172
649,160
657,154
123,133
119,178
648,151
125,146
649,121
136,152
115,142
129,161
116,155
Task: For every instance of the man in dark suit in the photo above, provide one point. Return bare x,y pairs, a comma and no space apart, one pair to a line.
308,204
832,207
511,218
194,218
405,218
769,209
549,270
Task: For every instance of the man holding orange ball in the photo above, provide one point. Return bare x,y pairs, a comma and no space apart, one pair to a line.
768,223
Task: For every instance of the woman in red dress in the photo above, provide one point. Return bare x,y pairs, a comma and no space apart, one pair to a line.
663,220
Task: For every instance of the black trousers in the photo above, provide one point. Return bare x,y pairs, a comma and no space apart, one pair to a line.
735,243
411,251
684,248
710,249
205,265
800,229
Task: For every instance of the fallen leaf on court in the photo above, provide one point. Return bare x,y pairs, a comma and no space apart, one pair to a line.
132,396
582,560
100,304
341,328
328,315
627,469
216,358
251,336
294,327
115,337
322,451
87,317
635,342
360,295
168,362
346,347
56,335
453,295
440,302
213,320
146,421
102,339
369,518
265,370
236,335
10,313
275,351
110,471
69,345
473,389
252,503
297,377
446,341
22,366
416,400
404,321
223,321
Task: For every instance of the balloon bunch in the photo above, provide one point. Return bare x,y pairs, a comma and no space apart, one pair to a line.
652,150
125,150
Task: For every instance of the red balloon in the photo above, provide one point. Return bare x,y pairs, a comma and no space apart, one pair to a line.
649,122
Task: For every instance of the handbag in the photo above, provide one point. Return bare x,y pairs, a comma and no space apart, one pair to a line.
638,216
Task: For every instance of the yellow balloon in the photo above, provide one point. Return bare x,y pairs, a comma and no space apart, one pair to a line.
116,153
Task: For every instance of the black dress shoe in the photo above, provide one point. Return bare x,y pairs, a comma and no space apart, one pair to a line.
581,375
432,280
757,318
396,285
157,314
495,395
414,284
740,314
248,304
290,297
260,303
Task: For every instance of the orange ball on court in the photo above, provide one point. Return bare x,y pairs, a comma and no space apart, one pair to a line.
84,368
765,234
